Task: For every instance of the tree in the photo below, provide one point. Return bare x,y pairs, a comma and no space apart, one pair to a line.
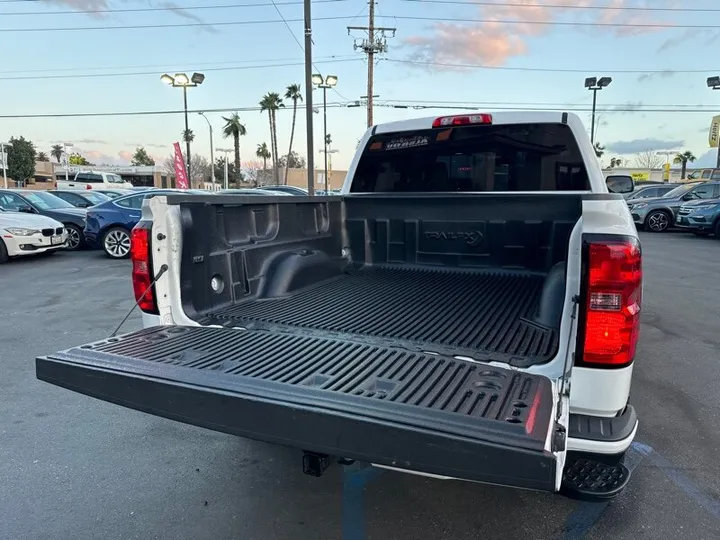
20,160
233,176
77,159
263,153
293,93
42,156
615,162
188,136
201,170
293,161
599,150
271,102
683,159
57,151
235,129
141,158
648,160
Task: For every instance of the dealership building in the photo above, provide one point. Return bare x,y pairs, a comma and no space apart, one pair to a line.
151,176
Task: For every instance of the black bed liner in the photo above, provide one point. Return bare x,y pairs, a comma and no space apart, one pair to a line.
389,406
485,315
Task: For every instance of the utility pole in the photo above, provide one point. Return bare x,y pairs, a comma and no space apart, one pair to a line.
375,43
308,98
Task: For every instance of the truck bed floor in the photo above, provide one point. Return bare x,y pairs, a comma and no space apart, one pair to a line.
485,314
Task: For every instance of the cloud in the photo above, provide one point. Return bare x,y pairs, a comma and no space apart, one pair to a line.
493,43
707,160
84,5
629,107
643,145
665,74
688,35
147,145
185,14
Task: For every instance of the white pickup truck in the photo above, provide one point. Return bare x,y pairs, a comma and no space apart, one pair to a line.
468,308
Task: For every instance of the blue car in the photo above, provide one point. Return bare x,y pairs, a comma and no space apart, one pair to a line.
109,224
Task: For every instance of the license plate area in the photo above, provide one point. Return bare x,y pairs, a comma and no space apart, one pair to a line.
56,240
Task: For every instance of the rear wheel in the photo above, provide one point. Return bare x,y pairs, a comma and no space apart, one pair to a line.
3,252
75,237
657,221
116,243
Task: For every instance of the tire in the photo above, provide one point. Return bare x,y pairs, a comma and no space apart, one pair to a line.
3,253
116,243
76,239
717,230
657,221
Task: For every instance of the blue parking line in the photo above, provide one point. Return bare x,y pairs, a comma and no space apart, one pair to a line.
580,521
355,478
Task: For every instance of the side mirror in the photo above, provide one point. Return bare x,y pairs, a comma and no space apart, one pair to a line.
26,209
620,183
83,205
688,197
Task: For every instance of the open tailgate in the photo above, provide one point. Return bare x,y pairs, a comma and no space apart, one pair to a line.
350,399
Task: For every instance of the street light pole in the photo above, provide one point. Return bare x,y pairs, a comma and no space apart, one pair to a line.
226,151
212,156
595,84
326,82
67,159
181,80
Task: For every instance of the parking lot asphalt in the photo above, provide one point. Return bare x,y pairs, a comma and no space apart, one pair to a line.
76,468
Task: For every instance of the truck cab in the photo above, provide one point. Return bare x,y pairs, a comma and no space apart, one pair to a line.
467,308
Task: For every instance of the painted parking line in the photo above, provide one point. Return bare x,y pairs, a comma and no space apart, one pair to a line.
355,478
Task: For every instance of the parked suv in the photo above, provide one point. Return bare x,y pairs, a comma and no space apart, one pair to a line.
701,217
650,191
659,213
94,180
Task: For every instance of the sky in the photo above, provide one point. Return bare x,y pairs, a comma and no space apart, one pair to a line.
70,57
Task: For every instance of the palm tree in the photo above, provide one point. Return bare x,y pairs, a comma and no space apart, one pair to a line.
683,158
235,129
188,136
41,156
57,151
263,153
599,150
293,92
271,102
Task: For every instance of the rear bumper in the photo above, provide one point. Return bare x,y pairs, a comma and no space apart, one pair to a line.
296,407
598,435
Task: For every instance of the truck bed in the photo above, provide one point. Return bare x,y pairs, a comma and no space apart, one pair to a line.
480,276
482,314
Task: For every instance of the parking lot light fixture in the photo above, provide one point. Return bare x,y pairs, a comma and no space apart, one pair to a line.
594,84
329,81
181,80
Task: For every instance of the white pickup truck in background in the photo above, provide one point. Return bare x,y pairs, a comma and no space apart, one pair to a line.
467,308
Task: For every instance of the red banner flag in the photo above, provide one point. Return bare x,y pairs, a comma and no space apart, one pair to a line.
181,179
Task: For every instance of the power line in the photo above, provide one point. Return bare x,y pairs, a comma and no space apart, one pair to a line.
345,17
562,6
167,8
509,106
549,70
554,23
145,73
177,25
275,5
612,106
164,66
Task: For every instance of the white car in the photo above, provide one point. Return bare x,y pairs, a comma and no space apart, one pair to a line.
29,234
94,180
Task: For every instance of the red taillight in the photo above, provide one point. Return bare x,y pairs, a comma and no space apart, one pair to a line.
613,298
88,186
462,120
141,271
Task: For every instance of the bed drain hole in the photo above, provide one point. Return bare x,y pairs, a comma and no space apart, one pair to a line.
513,420
520,404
